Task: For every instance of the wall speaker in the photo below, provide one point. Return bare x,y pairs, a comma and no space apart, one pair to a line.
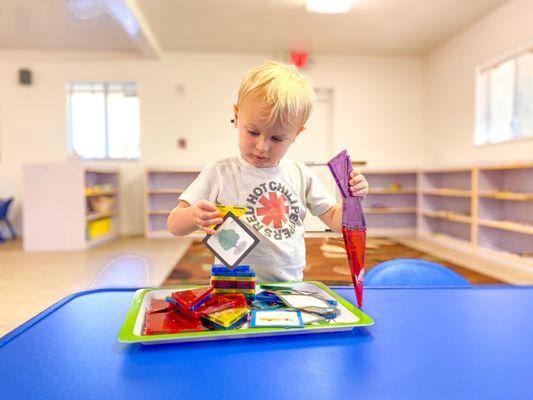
25,76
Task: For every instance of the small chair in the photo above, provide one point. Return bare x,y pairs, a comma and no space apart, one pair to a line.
413,272
4,209
126,271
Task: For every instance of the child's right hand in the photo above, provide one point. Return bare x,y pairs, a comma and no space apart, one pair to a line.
204,214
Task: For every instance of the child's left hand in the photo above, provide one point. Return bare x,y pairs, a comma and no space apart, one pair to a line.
358,183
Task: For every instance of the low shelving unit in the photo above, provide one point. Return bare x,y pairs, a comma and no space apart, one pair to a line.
391,204
445,204
162,189
486,210
505,210
69,206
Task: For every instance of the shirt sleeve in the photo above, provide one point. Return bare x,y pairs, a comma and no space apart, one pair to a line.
318,198
204,187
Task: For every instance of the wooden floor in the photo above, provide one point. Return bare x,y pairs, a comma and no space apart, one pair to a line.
500,269
31,282
326,261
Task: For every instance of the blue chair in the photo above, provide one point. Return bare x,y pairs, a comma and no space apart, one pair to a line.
413,272
129,271
4,208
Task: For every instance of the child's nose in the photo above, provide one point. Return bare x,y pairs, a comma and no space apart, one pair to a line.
262,144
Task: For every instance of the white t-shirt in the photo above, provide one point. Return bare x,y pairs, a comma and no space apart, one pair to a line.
277,199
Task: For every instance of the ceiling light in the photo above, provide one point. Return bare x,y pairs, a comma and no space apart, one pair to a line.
329,6
90,9
86,9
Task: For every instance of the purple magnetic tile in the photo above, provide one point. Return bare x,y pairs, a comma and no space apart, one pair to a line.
338,166
352,209
352,213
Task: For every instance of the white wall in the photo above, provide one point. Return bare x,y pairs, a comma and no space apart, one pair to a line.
377,111
449,115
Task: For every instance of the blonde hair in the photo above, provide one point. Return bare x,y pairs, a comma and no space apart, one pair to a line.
287,93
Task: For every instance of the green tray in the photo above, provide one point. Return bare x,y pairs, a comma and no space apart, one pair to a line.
349,318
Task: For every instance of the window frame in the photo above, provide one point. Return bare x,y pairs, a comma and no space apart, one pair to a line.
106,84
513,54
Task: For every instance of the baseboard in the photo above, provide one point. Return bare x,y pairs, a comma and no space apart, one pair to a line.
504,270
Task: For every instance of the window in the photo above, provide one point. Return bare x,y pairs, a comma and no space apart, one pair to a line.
504,104
103,120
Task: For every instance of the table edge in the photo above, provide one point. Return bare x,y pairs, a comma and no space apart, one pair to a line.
8,337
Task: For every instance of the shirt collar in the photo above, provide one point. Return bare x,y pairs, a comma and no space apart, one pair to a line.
248,165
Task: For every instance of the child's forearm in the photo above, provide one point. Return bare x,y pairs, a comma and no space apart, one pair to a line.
180,221
333,218
337,218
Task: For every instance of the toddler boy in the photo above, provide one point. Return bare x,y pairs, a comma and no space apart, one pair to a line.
273,105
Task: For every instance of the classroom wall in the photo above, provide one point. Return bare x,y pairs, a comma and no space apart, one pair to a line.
377,111
449,114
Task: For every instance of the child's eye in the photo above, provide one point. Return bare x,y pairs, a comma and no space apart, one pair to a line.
277,139
253,133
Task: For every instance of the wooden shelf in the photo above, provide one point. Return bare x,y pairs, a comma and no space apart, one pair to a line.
512,226
519,165
101,239
447,170
507,196
448,215
165,191
391,232
393,191
167,235
96,215
447,192
173,171
369,171
111,192
390,210
96,170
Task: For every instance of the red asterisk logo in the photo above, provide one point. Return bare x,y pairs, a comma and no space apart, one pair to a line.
273,210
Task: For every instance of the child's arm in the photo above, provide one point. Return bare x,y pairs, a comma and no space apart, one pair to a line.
186,218
333,217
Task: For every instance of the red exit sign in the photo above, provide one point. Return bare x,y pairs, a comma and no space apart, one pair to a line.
299,58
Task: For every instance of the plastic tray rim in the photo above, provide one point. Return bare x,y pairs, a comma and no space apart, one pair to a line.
126,334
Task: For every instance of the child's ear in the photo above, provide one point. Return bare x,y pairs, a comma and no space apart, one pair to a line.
235,114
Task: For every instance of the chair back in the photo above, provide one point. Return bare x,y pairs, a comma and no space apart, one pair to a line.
413,272
4,207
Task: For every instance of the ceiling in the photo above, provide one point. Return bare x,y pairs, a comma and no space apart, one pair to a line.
48,24
372,27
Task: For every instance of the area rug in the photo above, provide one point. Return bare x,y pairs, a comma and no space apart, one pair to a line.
326,262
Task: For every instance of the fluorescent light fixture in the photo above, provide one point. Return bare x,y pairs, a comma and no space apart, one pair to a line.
118,9
329,6
86,9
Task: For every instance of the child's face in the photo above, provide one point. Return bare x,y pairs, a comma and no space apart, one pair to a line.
262,143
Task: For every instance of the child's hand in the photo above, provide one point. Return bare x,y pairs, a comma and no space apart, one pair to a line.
358,183
204,214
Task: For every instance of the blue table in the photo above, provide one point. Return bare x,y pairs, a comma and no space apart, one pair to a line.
426,344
